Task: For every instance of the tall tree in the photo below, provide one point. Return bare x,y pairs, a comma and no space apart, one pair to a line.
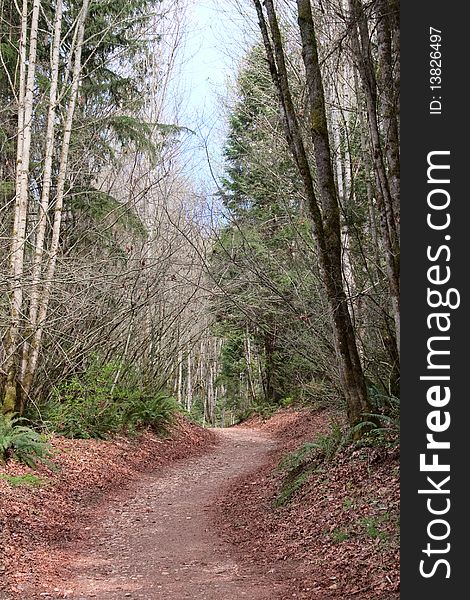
28,37
77,80
267,298
381,105
324,209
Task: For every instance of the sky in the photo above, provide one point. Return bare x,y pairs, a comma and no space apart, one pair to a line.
216,40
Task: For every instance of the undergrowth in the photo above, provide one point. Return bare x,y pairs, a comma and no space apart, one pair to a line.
298,466
94,406
373,527
381,427
261,409
26,480
21,443
378,429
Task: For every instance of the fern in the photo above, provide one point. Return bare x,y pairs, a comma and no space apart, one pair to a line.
377,429
299,465
23,443
156,412
91,406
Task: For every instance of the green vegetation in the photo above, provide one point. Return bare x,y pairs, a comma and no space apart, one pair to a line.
299,465
26,480
371,526
339,535
290,486
380,428
323,448
106,245
94,405
349,503
273,318
22,443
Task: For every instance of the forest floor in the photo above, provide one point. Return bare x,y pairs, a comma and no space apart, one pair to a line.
193,517
337,538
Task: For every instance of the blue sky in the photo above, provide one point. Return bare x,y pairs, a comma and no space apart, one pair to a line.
215,42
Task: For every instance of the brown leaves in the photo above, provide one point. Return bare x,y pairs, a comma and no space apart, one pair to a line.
38,521
338,537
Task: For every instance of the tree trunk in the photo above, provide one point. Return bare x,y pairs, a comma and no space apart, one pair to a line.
189,382
273,394
11,397
27,374
385,202
326,222
59,202
249,365
388,102
179,379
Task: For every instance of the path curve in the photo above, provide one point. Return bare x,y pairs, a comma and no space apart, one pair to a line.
156,540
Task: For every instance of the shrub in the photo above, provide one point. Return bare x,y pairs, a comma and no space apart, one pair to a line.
22,443
381,427
156,411
76,411
91,406
324,447
290,486
262,409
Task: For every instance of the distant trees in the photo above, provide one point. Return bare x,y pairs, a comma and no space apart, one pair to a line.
263,261
109,259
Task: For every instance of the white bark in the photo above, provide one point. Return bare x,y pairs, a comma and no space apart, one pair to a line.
45,196
25,115
189,384
60,194
179,386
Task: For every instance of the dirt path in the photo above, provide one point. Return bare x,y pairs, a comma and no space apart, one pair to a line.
156,540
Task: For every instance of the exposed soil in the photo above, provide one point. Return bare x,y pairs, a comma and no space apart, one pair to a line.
155,539
40,525
337,537
193,517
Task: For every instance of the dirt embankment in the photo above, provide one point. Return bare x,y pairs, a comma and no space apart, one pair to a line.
128,519
36,522
337,538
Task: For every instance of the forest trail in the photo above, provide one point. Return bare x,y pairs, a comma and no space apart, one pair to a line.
156,540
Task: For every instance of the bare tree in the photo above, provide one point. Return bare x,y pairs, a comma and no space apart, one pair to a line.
25,115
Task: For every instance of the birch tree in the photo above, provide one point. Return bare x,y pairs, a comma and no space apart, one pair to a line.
75,131
29,36
32,341
40,305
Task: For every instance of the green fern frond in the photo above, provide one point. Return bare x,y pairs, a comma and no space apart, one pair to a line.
23,443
